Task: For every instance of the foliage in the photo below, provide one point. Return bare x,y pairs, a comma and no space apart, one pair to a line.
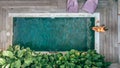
20,57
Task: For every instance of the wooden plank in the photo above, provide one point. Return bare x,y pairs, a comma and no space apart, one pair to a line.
119,7
25,3
1,28
115,29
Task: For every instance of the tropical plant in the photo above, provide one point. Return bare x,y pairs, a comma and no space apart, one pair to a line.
20,57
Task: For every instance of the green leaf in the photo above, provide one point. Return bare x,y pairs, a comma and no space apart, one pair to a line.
59,54
16,64
2,61
86,66
17,47
83,54
99,64
48,66
3,66
62,66
72,51
28,61
20,53
72,56
106,64
8,54
78,66
61,58
7,66
88,62
77,53
94,67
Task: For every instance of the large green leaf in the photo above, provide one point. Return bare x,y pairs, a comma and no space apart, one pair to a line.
99,64
17,47
3,66
78,66
7,66
62,66
2,61
20,53
16,64
8,54
28,61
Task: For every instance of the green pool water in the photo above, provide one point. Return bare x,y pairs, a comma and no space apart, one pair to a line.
54,34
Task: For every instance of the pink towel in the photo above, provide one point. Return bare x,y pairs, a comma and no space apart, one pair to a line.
72,6
90,6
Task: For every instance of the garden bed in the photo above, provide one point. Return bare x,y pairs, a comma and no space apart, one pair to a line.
20,57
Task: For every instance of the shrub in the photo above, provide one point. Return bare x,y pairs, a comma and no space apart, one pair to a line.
19,57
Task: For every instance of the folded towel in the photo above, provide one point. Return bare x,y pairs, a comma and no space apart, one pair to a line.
72,6
90,6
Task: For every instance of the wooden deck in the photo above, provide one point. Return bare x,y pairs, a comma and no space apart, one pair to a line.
108,17
115,65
